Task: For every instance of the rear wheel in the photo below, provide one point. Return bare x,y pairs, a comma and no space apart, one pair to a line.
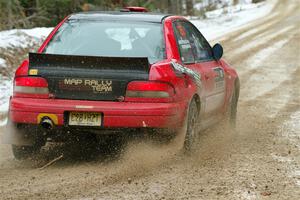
191,136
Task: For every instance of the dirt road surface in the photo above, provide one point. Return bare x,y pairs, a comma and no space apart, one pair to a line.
261,160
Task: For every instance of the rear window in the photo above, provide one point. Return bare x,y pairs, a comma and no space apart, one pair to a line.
113,39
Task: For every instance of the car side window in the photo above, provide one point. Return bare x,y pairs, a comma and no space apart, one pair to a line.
197,49
201,47
183,38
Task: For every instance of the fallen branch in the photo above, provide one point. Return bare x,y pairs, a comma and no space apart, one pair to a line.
51,162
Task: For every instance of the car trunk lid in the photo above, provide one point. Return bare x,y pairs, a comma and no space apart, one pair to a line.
88,77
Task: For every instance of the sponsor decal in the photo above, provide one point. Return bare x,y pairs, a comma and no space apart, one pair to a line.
98,86
185,44
33,72
219,79
196,76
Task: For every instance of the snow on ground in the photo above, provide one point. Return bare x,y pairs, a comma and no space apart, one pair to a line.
291,129
216,24
5,92
20,37
204,4
217,3
231,18
2,62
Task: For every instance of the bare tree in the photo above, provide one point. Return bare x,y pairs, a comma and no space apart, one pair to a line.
180,8
235,2
189,7
9,19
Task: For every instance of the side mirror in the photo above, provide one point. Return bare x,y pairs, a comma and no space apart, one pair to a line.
217,51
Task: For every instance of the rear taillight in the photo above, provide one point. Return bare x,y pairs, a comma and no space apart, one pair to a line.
149,91
22,69
31,87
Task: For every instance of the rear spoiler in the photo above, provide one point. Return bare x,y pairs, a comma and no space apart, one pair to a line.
41,60
134,9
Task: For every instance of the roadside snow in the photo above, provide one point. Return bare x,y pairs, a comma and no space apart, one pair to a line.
229,19
38,32
2,62
217,3
4,107
20,37
5,92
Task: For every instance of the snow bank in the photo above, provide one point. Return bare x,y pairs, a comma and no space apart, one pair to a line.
217,3
2,62
5,92
22,37
38,32
4,108
228,19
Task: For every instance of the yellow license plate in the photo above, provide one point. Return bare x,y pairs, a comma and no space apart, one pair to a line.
85,119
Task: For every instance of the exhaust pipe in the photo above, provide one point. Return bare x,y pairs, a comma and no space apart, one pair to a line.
47,123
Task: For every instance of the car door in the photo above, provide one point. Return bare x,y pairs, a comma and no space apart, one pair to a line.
196,54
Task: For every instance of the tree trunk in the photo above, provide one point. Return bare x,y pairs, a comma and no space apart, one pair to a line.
189,7
180,8
9,17
172,6
163,6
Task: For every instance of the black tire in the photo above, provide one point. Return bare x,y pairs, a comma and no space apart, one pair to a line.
191,136
23,152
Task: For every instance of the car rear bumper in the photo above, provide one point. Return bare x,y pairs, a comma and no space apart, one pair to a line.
115,114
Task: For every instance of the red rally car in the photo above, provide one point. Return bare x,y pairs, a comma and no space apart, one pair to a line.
105,72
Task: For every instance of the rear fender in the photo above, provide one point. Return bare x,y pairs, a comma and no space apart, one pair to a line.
184,85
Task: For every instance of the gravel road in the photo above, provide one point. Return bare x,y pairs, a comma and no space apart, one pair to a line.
261,160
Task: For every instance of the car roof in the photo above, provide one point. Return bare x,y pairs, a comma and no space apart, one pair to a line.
120,16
